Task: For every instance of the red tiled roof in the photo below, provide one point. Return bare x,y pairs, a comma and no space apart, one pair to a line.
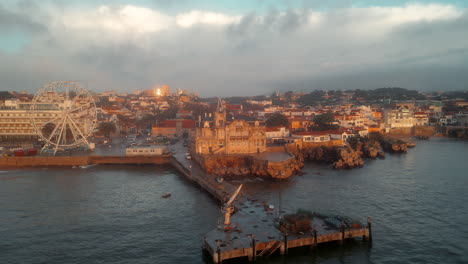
272,129
186,123
311,133
231,107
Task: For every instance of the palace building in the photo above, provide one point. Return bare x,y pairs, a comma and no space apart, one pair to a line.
215,134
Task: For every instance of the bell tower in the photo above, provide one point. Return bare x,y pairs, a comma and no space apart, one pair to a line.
220,114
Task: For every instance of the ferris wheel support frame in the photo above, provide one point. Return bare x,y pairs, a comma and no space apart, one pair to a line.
68,112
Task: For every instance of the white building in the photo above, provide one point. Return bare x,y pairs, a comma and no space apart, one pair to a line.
276,132
398,118
313,136
146,151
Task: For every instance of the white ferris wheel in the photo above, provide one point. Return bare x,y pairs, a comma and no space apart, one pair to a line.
63,114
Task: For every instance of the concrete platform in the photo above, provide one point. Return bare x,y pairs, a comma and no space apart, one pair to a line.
253,223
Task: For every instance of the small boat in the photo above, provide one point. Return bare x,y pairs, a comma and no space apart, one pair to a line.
166,195
219,179
411,145
87,166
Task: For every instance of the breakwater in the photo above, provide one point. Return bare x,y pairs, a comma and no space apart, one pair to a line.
36,161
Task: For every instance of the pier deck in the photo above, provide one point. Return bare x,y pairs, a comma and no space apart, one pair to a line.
254,230
252,222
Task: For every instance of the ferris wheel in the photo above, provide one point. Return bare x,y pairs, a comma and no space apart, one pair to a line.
63,115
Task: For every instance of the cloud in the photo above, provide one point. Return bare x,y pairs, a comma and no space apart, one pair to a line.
128,47
11,21
197,17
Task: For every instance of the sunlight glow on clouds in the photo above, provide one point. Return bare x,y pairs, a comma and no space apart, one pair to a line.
195,17
119,19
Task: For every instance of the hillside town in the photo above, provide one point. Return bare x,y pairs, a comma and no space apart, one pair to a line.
319,116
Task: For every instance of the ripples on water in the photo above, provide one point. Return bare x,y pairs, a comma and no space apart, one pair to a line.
115,214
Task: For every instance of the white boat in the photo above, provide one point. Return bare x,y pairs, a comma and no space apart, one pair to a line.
87,166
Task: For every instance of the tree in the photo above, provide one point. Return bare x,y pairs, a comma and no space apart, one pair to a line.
107,128
375,136
312,99
277,119
326,118
47,129
170,113
324,122
124,122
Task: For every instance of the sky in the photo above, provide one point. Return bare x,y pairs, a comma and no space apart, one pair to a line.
235,47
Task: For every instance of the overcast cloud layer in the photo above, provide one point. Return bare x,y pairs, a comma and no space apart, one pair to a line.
129,47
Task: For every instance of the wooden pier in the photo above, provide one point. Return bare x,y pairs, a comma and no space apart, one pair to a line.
255,234
254,231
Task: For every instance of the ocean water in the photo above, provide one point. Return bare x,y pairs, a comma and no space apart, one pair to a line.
418,203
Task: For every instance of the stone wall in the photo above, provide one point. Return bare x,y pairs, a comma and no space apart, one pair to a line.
43,161
31,161
413,131
163,159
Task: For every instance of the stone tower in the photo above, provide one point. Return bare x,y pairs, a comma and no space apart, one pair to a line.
220,115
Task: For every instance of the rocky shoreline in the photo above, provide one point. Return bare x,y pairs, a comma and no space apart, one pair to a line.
354,153
235,167
351,155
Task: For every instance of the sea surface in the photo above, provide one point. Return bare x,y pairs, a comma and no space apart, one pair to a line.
418,203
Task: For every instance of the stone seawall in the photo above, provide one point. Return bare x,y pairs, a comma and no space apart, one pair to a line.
43,161
413,131
164,159
33,161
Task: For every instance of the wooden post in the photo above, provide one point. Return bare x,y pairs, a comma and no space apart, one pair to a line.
217,259
285,243
369,227
342,233
315,238
313,246
254,251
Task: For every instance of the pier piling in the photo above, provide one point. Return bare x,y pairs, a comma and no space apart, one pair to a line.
254,250
342,227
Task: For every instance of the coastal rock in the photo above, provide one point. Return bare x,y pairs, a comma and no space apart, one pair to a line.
341,157
348,159
372,150
245,166
394,145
